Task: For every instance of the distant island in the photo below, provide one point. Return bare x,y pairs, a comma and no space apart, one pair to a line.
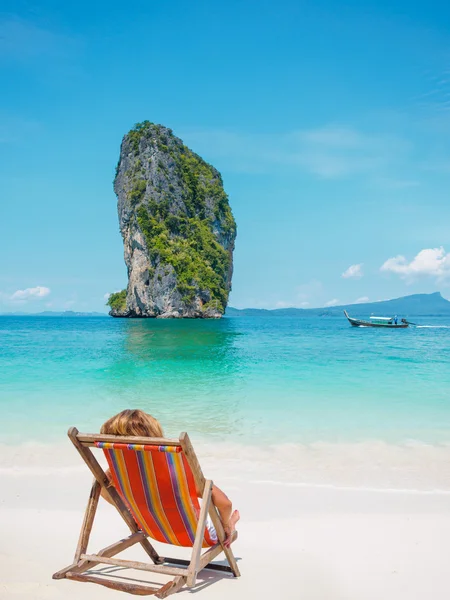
407,306
177,228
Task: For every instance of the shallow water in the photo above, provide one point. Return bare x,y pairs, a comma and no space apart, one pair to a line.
254,380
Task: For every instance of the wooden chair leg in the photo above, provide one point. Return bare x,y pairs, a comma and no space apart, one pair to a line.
88,520
86,529
171,587
120,586
198,542
221,536
136,589
232,561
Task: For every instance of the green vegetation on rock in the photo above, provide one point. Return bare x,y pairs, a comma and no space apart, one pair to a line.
189,245
118,301
138,191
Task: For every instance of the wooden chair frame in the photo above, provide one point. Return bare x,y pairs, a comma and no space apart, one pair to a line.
186,575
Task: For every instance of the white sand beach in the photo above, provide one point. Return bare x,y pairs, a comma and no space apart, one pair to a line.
312,541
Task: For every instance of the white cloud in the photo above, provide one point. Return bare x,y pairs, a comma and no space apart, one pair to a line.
434,262
333,152
329,152
333,302
14,129
334,137
308,292
108,294
355,271
282,304
30,293
391,183
24,40
361,300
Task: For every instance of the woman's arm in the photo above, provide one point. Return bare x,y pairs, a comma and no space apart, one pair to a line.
222,503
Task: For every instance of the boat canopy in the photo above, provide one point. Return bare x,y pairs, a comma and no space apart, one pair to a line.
381,318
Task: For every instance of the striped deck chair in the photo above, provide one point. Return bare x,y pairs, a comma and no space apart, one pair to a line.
157,483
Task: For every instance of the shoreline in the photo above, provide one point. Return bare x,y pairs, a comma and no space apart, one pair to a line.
412,468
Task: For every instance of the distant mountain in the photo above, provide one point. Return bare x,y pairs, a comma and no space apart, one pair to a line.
408,306
51,313
419,305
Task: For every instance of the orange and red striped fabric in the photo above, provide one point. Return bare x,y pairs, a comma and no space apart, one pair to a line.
157,485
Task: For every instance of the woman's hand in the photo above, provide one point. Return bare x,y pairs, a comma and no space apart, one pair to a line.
230,528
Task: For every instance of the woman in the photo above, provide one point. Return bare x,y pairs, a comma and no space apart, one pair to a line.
135,422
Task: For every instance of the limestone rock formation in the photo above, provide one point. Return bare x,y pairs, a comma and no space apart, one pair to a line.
177,228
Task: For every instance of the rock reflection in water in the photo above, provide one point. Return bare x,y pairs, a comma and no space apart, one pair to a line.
184,372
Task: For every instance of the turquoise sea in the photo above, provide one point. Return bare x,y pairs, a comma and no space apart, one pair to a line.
251,380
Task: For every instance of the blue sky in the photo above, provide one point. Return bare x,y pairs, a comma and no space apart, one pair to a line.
330,123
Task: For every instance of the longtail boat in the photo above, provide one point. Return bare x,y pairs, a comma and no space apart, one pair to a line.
389,322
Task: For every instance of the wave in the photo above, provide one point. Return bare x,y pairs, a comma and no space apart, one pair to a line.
432,326
347,488
40,471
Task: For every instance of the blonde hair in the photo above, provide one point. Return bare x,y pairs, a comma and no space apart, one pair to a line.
132,422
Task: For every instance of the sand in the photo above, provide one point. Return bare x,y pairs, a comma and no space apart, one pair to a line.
312,542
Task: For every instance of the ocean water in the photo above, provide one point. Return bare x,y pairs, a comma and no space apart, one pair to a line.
250,380
298,401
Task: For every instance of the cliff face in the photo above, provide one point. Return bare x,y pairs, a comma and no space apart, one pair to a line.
177,228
